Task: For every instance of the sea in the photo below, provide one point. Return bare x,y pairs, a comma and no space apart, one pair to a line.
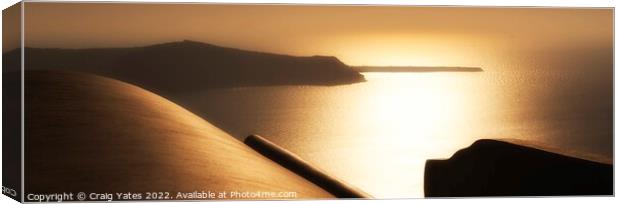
377,135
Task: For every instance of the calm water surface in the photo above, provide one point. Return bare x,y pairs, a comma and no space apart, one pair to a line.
377,135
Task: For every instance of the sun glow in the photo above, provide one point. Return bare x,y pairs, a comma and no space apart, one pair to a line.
425,108
410,50
394,109
406,119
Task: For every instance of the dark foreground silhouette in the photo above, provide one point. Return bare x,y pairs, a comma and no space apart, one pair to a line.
187,65
499,168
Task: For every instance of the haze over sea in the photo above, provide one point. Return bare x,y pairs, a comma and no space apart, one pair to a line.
377,135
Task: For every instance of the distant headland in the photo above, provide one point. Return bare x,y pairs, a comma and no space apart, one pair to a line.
415,69
189,65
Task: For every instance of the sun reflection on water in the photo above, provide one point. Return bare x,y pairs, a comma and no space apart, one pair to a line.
377,135
423,108
402,120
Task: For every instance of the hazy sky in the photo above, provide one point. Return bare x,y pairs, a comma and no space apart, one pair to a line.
358,35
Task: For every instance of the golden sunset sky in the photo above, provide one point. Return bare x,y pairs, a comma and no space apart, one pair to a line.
358,35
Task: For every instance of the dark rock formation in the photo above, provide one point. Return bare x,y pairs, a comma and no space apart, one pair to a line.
498,168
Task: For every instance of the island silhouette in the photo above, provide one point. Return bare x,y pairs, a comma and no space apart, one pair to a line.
183,66
189,65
